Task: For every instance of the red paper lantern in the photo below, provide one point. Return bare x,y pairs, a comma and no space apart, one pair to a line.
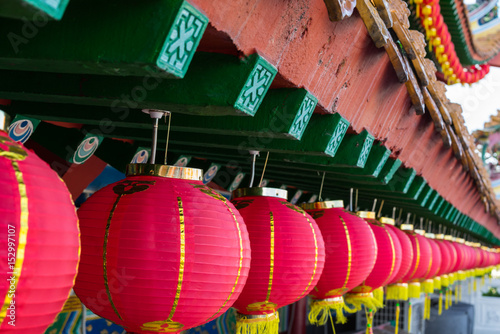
39,240
446,259
386,267
161,252
428,282
421,259
397,288
288,255
350,256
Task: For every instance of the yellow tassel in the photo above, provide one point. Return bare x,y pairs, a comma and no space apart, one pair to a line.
482,281
428,286
475,284
397,291
437,283
414,290
398,310
440,309
378,294
447,300
425,307
452,277
456,293
445,280
257,324
358,300
460,293
321,309
461,275
409,317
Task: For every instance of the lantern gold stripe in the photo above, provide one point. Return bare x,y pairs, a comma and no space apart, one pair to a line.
393,255
105,256
271,269
349,250
23,236
418,258
182,261
430,265
240,265
315,256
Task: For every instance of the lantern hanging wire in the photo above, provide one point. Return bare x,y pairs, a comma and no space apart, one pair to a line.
320,197
168,136
252,174
374,205
156,115
379,214
264,170
350,200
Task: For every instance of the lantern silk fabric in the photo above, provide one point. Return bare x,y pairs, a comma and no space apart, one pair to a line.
39,240
161,254
288,252
350,256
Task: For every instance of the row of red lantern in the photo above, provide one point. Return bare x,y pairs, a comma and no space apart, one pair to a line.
161,252
439,39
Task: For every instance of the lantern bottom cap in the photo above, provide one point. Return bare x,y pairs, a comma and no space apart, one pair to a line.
398,291
254,324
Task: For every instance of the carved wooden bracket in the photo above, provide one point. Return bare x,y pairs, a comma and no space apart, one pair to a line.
339,9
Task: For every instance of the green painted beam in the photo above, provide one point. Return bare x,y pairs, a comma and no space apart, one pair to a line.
379,154
320,138
215,85
400,183
425,195
284,113
109,38
36,11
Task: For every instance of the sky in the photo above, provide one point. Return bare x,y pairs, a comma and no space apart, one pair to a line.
479,101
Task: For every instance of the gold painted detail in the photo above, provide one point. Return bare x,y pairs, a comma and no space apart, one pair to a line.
366,214
418,258
337,292
271,258
166,326
315,255
406,227
393,256
240,266
209,191
261,306
293,207
123,188
173,172
349,252
11,149
323,205
15,269
328,301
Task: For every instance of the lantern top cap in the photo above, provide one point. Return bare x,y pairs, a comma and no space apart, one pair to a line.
460,240
421,232
173,172
448,237
388,221
366,214
260,191
323,205
407,227
430,235
440,236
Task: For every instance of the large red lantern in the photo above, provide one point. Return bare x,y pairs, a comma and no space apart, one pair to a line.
434,266
288,255
386,266
161,252
397,288
39,240
421,260
350,256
